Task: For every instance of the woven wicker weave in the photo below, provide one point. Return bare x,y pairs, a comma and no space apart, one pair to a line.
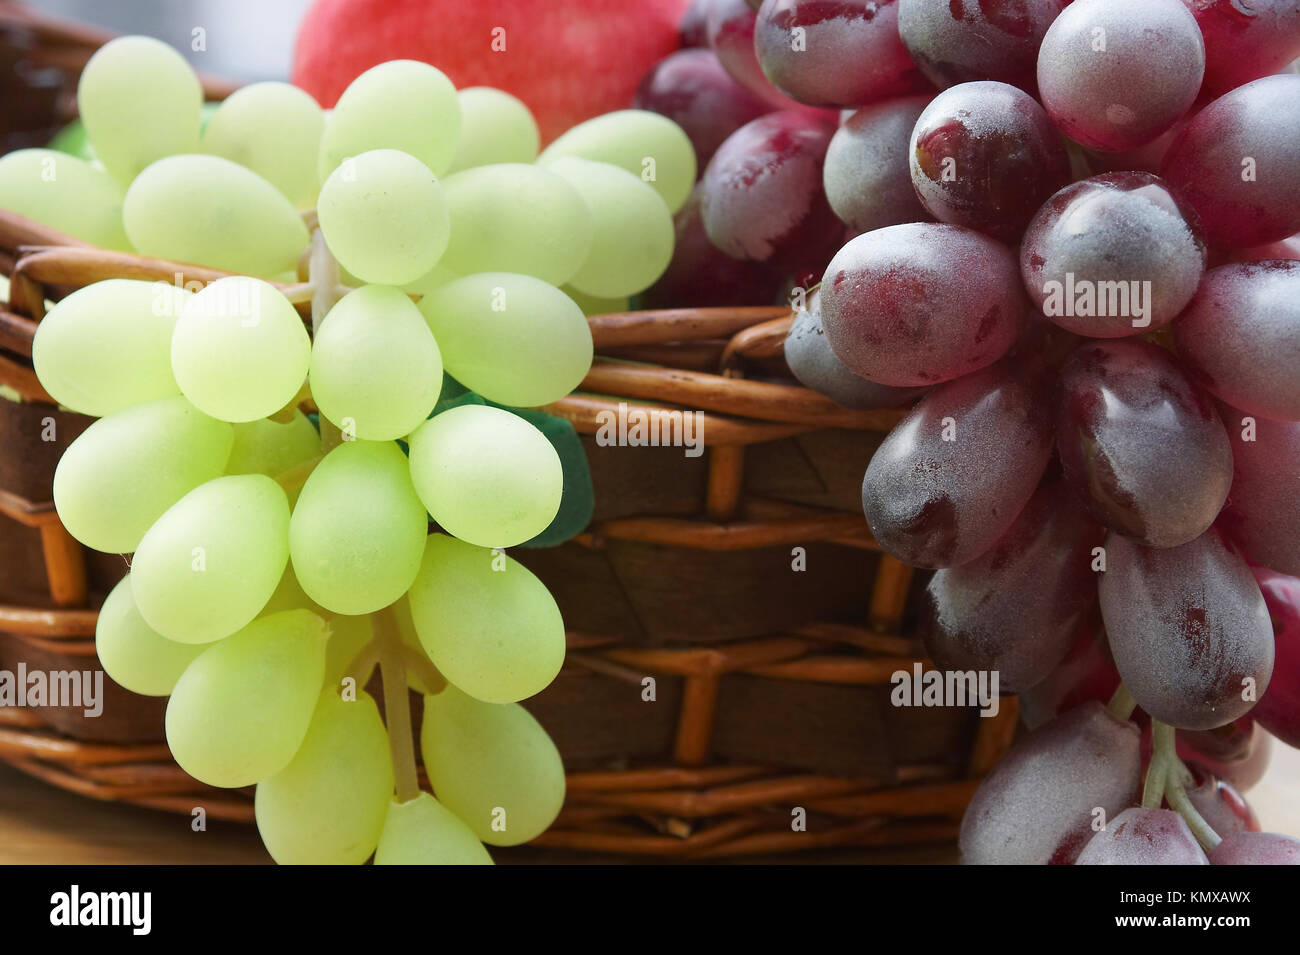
717,779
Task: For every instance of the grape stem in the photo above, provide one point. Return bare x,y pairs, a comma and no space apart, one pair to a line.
397,706
423,668
1167,780
1122,704
323,275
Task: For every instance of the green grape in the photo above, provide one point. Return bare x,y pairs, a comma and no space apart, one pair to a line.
357,534
239,350
271,448
633,239
71,139
401,104
486,475
208,566
108,346
425,832
592,305
327,807
64,193
384,216
289,595
494,127
513,339
132,653
273,129
436,277
348,637
375,367
240,711
513,217
211,211
127,468
139,101
651,147
493,765
488,624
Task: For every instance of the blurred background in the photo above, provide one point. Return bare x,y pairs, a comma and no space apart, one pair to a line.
246,40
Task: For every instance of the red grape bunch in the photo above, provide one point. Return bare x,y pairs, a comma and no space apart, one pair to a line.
1070,254
1065,236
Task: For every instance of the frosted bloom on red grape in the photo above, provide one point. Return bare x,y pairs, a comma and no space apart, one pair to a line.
1188,628
957,41
953,475
1256,848
1261,515
762,196
921,303
842,53
985,155
1037,806
1240,337
1144,837
1111,256
1114,74
1235,164
867,176
812,362
1016,607
1143,448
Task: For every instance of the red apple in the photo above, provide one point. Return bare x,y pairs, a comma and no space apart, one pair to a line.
569,60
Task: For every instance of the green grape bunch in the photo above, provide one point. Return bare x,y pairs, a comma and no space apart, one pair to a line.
280,558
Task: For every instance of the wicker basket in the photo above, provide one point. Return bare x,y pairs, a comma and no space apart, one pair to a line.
772,685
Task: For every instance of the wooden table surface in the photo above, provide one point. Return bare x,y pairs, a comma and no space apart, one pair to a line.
40,824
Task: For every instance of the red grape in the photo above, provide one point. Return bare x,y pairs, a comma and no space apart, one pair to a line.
921,303
811,360
731,37
1143,448
762,195
1144,837
1256,848
954,474
694,27
1235,163
1245,39
1037,806
1188,628
1219,803
837,53
1016,607
1262,516
692,89
1240,338
1087,673
1278,710
956,41
1114,74
1237,752
867,177
1284,250
1111,256
985,155
700,275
